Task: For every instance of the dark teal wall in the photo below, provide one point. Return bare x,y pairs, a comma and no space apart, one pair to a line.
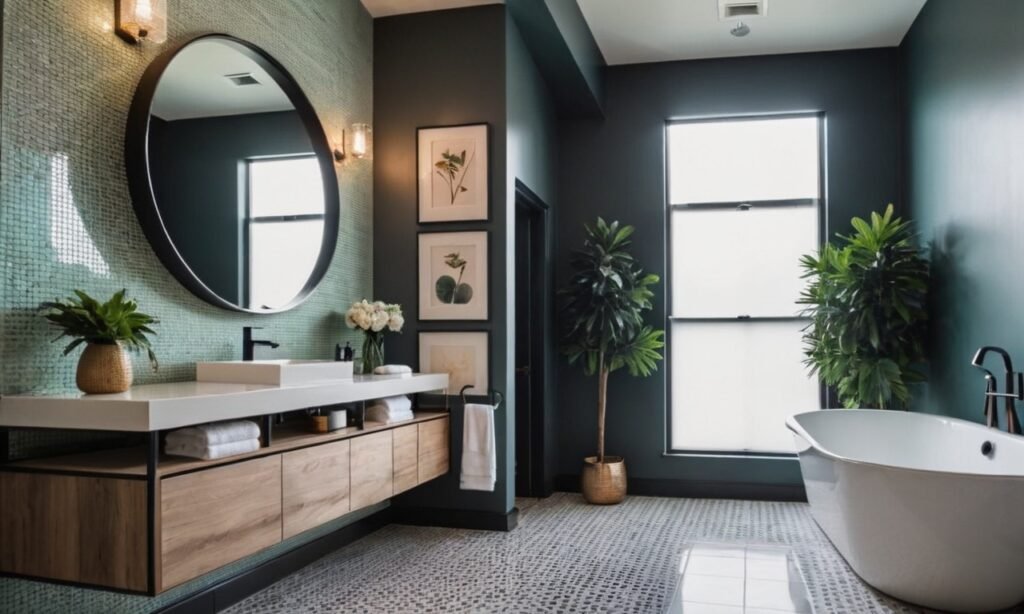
437,69
615,168
198,176
532,160
581,43
565,53
964,67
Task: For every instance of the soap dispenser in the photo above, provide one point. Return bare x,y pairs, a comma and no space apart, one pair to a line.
346,354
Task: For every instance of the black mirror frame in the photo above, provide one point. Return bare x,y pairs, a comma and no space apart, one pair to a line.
136,150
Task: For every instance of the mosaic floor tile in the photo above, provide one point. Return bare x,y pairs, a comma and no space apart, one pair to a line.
568,556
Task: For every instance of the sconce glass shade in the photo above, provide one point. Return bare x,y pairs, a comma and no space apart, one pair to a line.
142,20
362,140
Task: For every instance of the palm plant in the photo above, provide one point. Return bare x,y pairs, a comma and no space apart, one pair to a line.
604,310
867,303
115,322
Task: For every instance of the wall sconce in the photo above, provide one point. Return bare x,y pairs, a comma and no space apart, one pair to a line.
362,136
141,20
361,147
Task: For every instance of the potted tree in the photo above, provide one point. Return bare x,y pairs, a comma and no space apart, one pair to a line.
867,300
108,330
604,306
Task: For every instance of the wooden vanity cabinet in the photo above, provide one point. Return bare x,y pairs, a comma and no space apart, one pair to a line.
213,517
372,469
405,447
315,486
433,450
85,518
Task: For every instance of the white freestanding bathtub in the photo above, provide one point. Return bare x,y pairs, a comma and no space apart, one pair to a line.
915,507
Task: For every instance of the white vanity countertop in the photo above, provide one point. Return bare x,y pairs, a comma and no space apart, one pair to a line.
156,407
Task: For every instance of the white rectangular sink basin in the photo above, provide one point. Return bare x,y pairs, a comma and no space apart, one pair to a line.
285,372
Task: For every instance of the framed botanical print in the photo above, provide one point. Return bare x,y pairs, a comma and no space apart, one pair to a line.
453,276
453,178
462,355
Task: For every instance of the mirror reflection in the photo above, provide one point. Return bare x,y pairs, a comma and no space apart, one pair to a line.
235,178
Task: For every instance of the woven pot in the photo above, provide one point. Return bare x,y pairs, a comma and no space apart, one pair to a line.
104,369
604,483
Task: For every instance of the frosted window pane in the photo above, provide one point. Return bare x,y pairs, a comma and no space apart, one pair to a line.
727,262
734,385
290,186
734,161
282,256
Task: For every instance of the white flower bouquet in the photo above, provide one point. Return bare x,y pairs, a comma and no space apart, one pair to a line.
374,319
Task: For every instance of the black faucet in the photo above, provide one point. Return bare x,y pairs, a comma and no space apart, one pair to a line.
1014,389
249,344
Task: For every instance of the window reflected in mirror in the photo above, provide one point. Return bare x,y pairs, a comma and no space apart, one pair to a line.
285,223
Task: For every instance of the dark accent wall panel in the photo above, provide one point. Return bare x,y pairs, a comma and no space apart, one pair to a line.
616,168
964,108
437,69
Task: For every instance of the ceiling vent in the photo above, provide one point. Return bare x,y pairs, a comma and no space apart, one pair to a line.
742,9
242,79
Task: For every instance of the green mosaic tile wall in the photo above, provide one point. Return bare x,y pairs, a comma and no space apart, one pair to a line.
66,219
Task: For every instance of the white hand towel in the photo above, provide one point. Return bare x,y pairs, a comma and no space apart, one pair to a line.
215,433
392,370
222,450
479,461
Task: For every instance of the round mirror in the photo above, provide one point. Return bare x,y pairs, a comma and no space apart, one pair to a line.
231,176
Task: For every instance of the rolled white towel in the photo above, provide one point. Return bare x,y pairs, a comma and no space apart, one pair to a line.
393,404
379,413
215,433
222,450
392,370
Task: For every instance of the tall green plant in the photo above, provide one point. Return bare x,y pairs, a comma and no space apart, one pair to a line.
604,307
867,301
86,320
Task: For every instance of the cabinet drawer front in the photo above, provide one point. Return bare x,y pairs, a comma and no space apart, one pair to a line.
77,529
372,469
406,446
433,449
216,516
315,486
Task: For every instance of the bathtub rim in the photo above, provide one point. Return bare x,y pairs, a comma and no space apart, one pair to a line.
793,425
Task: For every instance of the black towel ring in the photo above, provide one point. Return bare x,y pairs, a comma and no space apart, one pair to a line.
491,396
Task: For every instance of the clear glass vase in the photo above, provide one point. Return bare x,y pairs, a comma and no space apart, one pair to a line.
373,351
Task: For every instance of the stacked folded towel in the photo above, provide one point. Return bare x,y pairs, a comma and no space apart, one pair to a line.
391,409
392,370
217,440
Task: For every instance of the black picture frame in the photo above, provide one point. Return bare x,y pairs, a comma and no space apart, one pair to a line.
489,293
487,173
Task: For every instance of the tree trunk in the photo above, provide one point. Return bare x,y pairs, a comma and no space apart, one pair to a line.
602,402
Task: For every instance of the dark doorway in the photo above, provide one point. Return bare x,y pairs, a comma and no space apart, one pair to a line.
533,294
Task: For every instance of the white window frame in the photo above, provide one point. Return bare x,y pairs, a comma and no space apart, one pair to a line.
821,203
250,220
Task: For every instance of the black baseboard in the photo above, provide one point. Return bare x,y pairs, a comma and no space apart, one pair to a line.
700,489
456,519
228,592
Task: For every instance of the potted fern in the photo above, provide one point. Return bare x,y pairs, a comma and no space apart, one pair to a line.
108,330
604,306
867,303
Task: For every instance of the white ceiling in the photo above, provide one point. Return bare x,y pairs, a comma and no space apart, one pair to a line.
636,31
194,85
383,8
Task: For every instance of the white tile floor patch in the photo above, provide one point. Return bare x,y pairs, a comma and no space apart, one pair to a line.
568,556
748,579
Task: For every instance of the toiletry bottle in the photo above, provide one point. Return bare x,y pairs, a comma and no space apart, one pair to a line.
348,354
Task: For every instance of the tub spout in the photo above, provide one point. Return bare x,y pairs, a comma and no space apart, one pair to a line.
1014,389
